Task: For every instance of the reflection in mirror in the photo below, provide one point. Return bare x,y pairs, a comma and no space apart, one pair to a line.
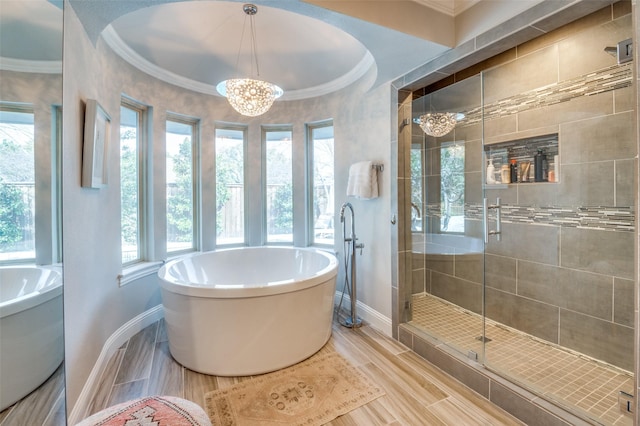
417,191
31,329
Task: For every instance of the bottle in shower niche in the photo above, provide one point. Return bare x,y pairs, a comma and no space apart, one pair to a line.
538,161
505,174
491,172
513,169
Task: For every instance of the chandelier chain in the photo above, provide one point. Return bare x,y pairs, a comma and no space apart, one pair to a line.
254,43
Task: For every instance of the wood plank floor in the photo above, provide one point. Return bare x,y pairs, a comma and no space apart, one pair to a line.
417,393
44,406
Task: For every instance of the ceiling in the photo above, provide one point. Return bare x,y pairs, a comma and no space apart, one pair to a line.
30,36
201,43
309,48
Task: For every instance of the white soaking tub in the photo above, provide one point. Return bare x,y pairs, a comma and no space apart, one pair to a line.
31,342
249,310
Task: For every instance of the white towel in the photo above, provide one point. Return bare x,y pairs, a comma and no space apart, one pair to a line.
363,181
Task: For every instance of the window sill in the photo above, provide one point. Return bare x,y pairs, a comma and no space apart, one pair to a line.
137,271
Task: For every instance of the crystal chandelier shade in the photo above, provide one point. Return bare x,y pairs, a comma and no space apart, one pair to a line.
251,97
438,123
248,96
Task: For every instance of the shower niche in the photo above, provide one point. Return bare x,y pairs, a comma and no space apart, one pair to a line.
523,155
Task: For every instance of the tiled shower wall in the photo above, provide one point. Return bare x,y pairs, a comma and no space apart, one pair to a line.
554,277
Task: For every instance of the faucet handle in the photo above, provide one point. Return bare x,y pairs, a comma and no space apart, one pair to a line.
360,246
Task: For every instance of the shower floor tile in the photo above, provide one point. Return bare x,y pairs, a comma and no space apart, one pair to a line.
559,374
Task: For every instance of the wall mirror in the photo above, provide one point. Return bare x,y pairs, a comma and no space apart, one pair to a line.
31,327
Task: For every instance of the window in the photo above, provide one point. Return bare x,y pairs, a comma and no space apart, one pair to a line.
321,167
17,184
181,221
278,185
417,176
230,193
131,173
452,188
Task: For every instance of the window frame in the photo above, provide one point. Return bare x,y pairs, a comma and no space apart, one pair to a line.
265,129
310,128
418,210
451,146
194,123
56,135
26,108
245,196
142,144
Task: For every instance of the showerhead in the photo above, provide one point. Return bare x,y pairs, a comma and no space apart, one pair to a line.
623,52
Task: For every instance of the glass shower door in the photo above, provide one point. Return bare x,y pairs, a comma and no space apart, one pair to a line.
560,282
446,225
523,218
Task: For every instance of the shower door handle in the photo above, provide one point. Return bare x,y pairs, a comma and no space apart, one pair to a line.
498,208
485,213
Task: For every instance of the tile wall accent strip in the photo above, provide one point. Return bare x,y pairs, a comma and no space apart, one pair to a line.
603,218
604,80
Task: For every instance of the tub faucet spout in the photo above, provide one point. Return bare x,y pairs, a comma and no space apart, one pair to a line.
342,220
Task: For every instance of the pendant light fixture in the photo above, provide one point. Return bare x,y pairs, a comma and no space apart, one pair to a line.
250,97
437,123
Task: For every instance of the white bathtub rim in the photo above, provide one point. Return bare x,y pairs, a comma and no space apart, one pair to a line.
185,288
34,298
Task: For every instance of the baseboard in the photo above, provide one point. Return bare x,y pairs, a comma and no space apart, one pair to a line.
115,341
367,314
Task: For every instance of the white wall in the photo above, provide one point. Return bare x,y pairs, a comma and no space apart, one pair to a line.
95,306
362,133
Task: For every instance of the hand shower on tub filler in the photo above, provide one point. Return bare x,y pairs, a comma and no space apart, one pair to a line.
350,246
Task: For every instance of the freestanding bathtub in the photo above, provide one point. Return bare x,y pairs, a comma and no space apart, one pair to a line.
31,343
249,310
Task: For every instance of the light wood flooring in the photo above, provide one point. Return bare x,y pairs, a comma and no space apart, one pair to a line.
44,406
569,378
417,393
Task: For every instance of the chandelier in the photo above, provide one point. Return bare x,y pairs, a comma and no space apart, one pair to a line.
248,96
437,123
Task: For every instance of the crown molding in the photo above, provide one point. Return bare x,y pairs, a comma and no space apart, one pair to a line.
23,65
449,7
122,49
333,86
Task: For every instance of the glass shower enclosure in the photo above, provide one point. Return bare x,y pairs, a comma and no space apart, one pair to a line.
523,222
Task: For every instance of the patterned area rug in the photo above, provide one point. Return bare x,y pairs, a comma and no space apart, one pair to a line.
310,393
150,411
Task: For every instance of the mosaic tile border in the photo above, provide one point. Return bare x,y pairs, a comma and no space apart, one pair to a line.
605,218
601,81
602,218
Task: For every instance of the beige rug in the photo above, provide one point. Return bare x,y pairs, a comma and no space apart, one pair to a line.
310,393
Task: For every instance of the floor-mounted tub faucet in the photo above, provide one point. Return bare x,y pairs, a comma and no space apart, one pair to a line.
352,243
